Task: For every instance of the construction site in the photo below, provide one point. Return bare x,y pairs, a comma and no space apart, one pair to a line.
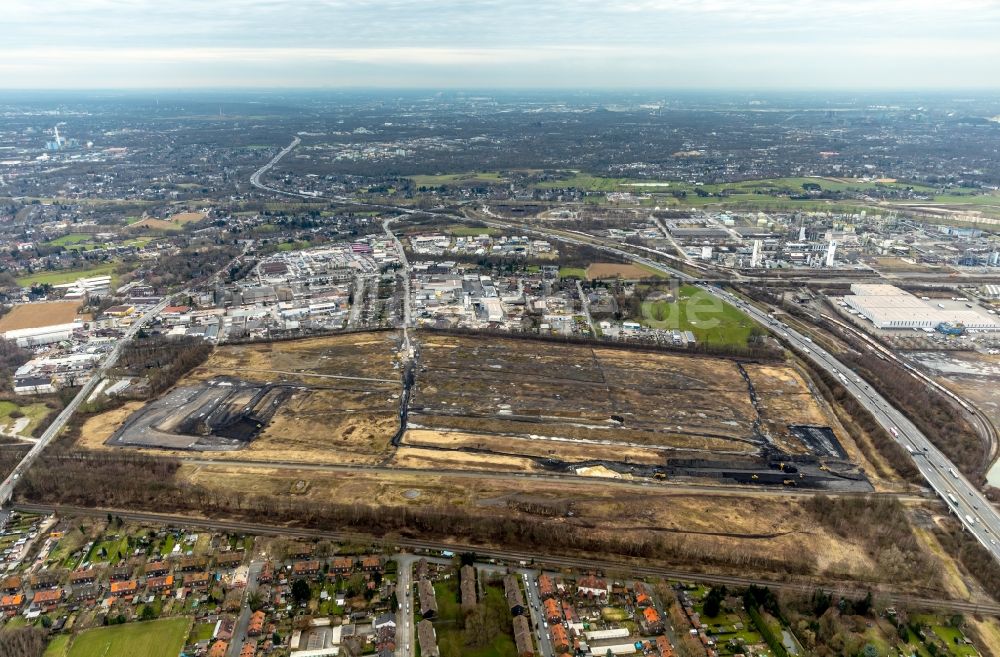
621,413
489,404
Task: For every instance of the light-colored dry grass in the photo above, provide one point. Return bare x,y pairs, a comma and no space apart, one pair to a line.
772,528
187,217
413,457
560,449
98,428
155,224
35,315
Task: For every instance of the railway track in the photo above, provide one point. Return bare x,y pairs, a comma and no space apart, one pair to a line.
542,561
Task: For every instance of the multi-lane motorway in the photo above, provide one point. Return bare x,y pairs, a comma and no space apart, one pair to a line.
977,515
975,511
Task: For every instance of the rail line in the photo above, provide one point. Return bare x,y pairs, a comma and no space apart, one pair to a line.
910,600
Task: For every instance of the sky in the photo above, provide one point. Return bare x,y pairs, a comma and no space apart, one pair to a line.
520,44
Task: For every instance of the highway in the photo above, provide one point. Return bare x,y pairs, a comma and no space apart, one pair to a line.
973,510
7,487
962,497
255,178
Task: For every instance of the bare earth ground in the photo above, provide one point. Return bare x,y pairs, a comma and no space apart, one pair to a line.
600,270
34,315
529,392
754,528
339,420
187,217
488,405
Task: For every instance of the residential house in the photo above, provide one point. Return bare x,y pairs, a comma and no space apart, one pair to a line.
256,627
249,649
372,564
160,584
266,575
341,566
522,637
592,587
82,576
121,573
305,568
546,587
193,564
46,600
469,586
428,602
664,646
512,590
650,621
551,610
427,638
11,584
560,640
229,559
385,620
218,649
197,580
157,568
11,602
124,589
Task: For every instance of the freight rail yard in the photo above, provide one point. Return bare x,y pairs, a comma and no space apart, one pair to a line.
488,404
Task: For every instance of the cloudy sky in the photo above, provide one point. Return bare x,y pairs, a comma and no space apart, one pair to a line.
748,44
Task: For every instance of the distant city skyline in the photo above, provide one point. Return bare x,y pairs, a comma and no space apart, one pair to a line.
712,44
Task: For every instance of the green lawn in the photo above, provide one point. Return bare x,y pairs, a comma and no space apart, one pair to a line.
471,231
34,412
294,246
57,647
65,275
160,638
711,320
573,272
71,238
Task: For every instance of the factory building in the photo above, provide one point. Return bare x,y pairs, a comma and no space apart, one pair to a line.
33,337
888,307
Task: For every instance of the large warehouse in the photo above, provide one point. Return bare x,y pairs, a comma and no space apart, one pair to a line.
888,307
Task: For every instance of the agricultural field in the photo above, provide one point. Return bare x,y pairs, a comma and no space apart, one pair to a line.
61,276
160,638
35,315
187,217
156,224
606,270
456,179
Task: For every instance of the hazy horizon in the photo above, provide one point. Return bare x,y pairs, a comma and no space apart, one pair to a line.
808,45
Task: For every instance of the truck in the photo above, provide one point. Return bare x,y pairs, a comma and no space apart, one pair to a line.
953,473
910,449
953,499
894,431
969,519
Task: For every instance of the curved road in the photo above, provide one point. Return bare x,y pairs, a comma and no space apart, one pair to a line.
974,511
